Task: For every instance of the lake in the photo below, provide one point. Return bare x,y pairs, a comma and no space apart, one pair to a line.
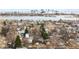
54,17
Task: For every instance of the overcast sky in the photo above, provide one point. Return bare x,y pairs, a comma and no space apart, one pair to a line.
37,4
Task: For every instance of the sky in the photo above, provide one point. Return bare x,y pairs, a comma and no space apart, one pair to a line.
39,4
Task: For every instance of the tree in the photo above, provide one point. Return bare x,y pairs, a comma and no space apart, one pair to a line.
44,34
26,31
4,22
18,42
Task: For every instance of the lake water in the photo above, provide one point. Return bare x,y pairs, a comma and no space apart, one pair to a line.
55,17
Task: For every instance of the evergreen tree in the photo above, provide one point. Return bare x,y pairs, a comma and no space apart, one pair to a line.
18,42
26,31
44,34
4,22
